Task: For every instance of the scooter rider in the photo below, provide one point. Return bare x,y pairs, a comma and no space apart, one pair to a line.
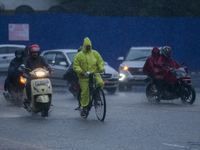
14,70
32,62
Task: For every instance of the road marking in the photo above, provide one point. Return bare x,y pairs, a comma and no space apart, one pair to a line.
179,146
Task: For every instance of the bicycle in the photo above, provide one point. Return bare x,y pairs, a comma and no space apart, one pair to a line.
97,98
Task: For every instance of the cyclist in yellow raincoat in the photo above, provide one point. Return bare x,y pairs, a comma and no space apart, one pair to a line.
88,60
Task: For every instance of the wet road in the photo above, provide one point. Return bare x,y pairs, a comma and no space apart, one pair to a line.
131,123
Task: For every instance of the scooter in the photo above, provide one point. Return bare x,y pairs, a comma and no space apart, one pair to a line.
41,92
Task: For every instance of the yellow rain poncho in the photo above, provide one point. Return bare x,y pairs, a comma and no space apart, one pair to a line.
88,61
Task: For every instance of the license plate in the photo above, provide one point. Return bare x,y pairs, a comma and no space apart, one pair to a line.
41,82
105,81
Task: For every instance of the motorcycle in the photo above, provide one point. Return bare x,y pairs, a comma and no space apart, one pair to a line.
41,92
73,87
157,89
15,91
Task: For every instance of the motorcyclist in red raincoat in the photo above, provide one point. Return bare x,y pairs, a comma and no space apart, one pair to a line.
166,59
151,66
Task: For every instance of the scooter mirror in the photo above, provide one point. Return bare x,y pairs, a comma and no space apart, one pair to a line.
53,63
22,66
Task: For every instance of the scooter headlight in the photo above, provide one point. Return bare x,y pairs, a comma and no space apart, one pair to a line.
40,73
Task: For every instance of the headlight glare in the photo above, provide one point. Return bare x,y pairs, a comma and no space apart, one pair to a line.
125,68
121,76
40,73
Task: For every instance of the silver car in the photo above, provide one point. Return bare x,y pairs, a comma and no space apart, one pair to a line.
131,68
7,53
62,58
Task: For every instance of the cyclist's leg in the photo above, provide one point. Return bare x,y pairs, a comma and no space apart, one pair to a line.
84,84
100,81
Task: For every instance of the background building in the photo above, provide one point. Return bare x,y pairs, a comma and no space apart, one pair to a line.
11,7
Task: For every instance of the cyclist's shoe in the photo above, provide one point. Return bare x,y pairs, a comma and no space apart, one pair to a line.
84,112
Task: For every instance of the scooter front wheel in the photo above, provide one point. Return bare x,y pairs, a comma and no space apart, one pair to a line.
45,109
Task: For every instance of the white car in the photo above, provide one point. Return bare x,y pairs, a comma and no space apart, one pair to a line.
7,53
131,68
63,59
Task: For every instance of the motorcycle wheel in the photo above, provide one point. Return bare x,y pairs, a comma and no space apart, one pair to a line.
188,95
152,94
45,109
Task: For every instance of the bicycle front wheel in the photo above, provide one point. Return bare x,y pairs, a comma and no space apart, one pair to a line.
100,104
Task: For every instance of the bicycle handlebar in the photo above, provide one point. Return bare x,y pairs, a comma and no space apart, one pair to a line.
88,73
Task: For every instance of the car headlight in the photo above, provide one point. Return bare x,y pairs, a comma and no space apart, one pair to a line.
40,73
125,68
121,76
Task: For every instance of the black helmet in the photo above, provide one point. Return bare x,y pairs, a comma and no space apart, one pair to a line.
166,51
19,53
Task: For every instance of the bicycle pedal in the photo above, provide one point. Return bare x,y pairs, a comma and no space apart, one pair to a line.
78,108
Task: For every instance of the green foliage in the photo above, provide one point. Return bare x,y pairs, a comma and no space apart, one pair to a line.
134,8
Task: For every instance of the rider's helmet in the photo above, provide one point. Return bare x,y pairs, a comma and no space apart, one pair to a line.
19,53
166,51
80,48
34,49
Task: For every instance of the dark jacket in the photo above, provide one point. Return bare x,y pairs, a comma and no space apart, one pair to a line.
14,72
33,63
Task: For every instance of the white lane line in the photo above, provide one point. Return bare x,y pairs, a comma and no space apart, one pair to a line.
179,146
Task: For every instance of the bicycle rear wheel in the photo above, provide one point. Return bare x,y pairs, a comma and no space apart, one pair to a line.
100,104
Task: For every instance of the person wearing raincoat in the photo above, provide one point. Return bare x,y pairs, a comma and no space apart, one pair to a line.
151,66
88,60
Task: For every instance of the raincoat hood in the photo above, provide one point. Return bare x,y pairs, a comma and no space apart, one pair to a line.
88,60
19,51
86,42
155,50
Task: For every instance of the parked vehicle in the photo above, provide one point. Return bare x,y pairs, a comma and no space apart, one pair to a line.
157,89
41,92
63,59
130,70
7,53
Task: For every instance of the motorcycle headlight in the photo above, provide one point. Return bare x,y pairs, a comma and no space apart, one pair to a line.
40,73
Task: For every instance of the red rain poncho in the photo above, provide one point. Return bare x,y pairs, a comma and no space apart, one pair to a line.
151,65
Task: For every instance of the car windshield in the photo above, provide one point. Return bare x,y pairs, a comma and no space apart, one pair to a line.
71,56
138,55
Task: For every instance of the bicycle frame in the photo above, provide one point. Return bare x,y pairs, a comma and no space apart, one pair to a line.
93,90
